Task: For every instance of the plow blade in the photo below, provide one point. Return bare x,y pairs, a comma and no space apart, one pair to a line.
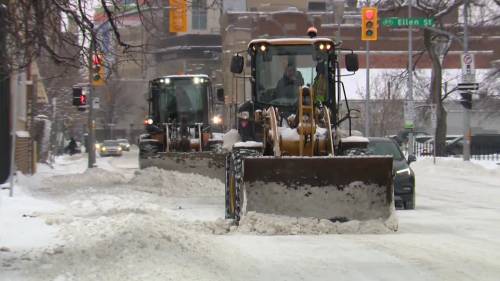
209,164
334,188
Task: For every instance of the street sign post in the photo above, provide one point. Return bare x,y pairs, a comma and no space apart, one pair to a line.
468,68
402,22
96,103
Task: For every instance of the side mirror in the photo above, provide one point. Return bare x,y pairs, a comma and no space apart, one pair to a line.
220,95
237,64
351,62
411,158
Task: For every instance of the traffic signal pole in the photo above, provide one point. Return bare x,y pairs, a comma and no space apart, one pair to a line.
409,98
367,100
91,119
467,129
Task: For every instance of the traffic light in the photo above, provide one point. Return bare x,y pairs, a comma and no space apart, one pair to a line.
466,100
369,24
77,96
97,70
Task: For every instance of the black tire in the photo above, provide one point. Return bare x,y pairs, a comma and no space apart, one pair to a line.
229,214
234,173
410,204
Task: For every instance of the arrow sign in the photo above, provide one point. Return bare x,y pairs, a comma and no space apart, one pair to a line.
468,86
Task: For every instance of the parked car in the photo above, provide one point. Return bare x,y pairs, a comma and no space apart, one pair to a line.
124,144
404,177
454,144
481,144
110,148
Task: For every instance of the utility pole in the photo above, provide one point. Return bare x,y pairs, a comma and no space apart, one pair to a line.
409,98
467,129
90,102
367,100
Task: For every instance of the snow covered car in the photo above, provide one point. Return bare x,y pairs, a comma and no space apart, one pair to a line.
404,177
124,144
110,148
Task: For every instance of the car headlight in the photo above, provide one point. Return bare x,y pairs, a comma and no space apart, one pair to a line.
97,146
127,146
403,171
119,149
103,148
217,120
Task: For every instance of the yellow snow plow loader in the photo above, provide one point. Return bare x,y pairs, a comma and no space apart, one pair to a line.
181,128
297,156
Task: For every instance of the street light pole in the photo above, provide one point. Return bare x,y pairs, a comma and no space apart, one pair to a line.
90,103
467,129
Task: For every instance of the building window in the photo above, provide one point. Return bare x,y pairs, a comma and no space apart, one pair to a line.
199,17
316,6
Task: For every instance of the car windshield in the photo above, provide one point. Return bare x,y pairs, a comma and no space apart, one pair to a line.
180,99
385,148
281,71
111,142
122,140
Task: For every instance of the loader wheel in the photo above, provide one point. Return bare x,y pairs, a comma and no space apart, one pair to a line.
234,180
229,188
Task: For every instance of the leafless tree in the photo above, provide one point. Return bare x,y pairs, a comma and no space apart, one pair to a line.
386,105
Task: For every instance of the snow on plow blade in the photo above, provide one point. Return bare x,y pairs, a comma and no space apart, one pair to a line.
209,164
335,188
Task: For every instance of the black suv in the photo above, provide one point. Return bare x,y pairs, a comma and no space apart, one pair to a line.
404,177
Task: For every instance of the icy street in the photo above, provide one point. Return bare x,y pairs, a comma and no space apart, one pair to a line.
119,223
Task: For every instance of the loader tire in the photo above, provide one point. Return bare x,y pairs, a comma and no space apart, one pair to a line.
234,182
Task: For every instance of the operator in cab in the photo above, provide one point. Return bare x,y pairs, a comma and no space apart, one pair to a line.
288,86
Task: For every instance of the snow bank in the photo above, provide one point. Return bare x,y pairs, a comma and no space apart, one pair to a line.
455,166
91,177
173,183
282,225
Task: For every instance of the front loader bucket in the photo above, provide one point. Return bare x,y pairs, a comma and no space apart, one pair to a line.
209,164
335,188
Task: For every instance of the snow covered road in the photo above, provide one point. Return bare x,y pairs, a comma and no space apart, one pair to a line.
118,223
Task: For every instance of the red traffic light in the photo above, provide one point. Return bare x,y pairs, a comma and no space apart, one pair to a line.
83,100
96,60
369,14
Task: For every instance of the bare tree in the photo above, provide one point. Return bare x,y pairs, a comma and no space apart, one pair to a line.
387,105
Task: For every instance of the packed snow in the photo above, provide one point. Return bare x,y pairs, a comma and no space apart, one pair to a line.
230,138
120,223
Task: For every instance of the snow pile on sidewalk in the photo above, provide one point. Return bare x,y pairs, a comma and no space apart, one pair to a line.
91,177
113,246
173,183
282,225
455,166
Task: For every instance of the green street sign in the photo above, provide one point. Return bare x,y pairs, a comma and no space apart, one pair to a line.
401,22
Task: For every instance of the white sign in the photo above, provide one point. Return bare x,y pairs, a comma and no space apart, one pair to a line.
433,116
96,103
468,68
409,114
